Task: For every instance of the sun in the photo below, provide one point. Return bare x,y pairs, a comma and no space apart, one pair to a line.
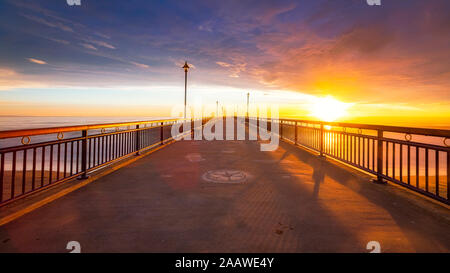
328,108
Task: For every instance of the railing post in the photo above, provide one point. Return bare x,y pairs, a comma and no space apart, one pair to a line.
379,179
192,128
281,129
137,139
84,155
321,139
162,133
295,128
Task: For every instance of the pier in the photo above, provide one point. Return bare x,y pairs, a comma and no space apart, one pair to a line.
328,187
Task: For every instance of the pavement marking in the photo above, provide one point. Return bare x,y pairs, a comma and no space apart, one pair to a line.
225,176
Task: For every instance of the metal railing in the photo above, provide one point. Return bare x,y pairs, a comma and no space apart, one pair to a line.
416,158
32,167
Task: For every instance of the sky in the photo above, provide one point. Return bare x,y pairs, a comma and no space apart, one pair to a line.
387,63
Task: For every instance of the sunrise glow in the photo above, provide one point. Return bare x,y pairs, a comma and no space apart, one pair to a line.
328,109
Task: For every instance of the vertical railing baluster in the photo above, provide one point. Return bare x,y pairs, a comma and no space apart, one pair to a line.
296,134
65,159
98,150
123,140
120,145
380,157
2,171
137,139
393,160
321,139
94,149
84,154
409,164
42,166
359,150
127,143
448,175
162,133
387,158
281,128
102,150
426,169
33,175
71,158
367,153
58,159
363,152
78,157
89,140
373,154
13,175
111,139
437,171
51,165
417,166
401,162
24,170
106,149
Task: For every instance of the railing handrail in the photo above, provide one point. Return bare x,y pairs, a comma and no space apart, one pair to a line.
72,128
386,128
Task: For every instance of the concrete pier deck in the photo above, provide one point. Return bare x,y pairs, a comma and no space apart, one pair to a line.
287,200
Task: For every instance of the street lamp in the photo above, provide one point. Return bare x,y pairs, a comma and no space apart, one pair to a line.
186,68
248,97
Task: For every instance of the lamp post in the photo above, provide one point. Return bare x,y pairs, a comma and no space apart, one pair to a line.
186,68
217,108
248,95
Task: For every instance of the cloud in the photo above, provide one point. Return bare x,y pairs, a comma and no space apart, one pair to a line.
88,46
36,61
64,42
10,79
207,26
48,23
100,43
349,50
140,65
234,69
223,64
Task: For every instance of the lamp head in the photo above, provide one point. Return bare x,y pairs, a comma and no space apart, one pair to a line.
186,67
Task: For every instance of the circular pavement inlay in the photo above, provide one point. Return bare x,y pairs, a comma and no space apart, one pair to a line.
225,176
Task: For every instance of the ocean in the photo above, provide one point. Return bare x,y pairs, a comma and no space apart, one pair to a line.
29,122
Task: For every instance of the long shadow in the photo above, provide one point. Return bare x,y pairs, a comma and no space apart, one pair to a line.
401,208
315,228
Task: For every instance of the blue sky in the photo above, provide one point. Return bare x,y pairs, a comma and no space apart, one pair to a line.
130,52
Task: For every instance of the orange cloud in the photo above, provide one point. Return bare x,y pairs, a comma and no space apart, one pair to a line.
36,61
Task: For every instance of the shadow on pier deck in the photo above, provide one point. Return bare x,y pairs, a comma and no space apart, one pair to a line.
290,201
